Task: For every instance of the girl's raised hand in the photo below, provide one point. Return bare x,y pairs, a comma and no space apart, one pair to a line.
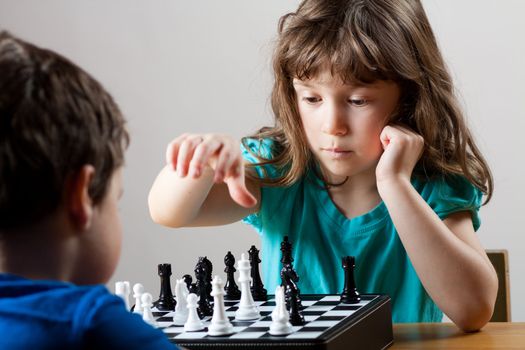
402,150
189,154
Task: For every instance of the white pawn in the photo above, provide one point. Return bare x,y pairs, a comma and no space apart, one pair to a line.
247,309
220,324
138,290
181,309
280,317
122,290
147,315
193,323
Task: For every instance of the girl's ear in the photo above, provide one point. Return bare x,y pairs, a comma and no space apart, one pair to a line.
78,203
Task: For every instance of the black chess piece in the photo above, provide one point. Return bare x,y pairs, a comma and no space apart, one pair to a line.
296,315
286,250
166,300
350,295
257,287
231,288
292,295
187,279
192,287
291,291
208,268
204,308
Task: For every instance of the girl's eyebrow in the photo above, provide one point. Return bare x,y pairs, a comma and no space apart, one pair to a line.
356,85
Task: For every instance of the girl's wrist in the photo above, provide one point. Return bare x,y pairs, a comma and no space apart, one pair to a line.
390,186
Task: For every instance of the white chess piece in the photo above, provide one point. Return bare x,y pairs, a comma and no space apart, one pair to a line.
181,309
280,317
193,323
127,291
138,290
247,309
122,290
147,303
220,324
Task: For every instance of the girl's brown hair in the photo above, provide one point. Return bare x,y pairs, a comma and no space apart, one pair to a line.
363,41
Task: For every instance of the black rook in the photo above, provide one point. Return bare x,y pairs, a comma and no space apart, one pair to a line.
350,294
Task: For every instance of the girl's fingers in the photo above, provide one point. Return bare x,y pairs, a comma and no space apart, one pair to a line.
185,154
202,154
224,160
173,149
238,191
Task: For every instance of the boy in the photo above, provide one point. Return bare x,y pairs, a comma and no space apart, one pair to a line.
62,142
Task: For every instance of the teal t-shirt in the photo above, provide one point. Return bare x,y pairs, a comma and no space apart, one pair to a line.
321,235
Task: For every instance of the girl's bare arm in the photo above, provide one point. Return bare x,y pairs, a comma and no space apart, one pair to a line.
203,183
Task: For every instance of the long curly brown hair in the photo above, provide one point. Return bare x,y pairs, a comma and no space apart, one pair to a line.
363,41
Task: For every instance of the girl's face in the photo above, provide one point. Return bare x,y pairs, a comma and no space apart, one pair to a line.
343,122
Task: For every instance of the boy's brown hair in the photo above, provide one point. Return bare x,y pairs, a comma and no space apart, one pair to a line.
54,119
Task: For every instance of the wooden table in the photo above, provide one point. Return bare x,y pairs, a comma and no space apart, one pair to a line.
498,335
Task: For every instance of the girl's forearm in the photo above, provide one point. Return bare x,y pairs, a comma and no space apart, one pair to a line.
174,201
459,278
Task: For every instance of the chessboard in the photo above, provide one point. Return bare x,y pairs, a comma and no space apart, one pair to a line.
330,324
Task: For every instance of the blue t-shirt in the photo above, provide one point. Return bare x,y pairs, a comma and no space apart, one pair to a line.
321,235
59,315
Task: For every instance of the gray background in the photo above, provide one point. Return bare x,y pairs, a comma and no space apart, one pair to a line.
178,66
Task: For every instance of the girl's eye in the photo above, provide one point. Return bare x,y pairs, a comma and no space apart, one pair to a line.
311,99
358,102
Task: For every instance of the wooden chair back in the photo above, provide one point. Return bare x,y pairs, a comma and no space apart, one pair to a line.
499,259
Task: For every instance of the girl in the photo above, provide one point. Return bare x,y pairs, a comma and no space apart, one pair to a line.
369,156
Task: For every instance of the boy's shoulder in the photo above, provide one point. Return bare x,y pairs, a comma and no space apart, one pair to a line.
48,299
63,315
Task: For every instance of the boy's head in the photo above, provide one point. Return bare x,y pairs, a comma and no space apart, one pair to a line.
54,118
59,131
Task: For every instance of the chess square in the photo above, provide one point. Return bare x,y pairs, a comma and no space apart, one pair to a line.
318,323
247,335
352,307
313,313
319,308
174,329
165,319
331,298
262,324
304,335
191,335
265,308
310,318
256,329
330,318
341,313
164,324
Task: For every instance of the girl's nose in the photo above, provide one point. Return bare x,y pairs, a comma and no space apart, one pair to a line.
334,121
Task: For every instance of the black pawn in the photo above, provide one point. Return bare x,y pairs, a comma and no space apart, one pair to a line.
204,308
350,294
231,288
257,287
166,300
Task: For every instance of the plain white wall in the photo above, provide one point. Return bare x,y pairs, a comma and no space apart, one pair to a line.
177,66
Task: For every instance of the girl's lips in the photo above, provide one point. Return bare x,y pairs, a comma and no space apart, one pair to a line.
337,152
